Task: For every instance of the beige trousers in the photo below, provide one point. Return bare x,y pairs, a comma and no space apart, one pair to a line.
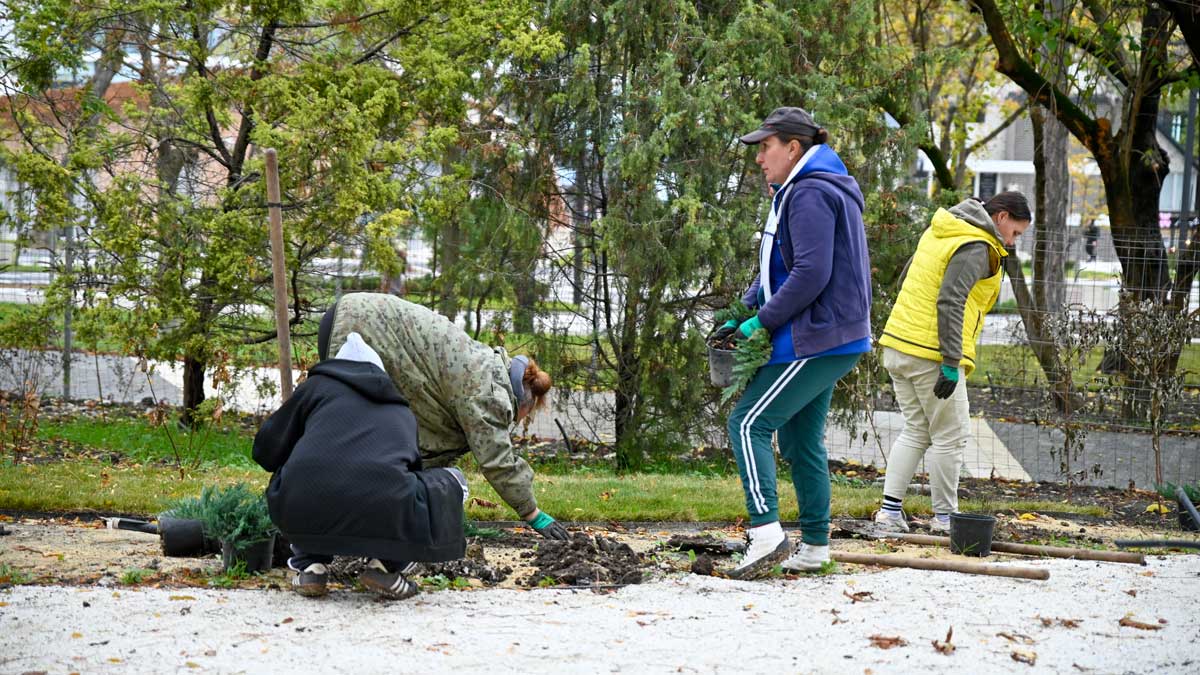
934,429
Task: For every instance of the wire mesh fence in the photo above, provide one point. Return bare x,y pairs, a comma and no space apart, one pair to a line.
1124,424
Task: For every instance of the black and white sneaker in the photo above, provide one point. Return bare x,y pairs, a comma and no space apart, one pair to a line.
761,558
389,585
311,582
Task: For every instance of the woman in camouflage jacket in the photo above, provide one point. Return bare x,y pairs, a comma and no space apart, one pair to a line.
465,394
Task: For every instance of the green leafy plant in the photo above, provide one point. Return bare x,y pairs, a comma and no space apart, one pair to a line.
441,582
750,355
135,575
236,514
14,576
547,582
735,311
470,529
230,577
1167,490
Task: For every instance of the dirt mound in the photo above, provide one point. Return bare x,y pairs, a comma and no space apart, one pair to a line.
584,560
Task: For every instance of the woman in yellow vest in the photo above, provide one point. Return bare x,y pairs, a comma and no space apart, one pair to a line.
949,285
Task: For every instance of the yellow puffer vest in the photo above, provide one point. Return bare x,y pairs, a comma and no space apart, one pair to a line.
912,327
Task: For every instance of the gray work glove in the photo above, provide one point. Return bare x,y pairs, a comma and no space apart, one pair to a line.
946,383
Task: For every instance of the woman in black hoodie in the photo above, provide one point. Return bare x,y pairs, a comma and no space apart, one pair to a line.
348,478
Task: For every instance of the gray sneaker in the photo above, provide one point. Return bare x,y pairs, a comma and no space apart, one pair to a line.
760,560
389,585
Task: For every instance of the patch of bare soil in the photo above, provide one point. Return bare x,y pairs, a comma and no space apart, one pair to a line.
584,560
44,550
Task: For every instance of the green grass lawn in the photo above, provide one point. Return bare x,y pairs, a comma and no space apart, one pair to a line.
1016,366
91,485
142,442
81,476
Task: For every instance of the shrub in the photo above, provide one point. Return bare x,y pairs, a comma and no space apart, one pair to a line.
235,514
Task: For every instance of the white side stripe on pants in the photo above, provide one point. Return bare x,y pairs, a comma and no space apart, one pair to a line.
744,430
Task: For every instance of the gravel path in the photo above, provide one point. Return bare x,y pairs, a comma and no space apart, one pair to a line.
688,624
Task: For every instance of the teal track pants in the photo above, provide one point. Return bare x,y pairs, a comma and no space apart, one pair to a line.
793,400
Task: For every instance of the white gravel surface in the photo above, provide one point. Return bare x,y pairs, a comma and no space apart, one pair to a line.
688,624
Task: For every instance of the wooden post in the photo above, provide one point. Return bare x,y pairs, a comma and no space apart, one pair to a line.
279,274
1029,549
942,565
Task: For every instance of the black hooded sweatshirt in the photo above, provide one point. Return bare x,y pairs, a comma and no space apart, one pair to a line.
347,472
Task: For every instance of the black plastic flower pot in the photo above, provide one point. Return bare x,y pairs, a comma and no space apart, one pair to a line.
971,534
1186,522
720,366
256,555
184,538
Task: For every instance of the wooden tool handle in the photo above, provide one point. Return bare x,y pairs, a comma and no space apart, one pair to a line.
1030,549
942,565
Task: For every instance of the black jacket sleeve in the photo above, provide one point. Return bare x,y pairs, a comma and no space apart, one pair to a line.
279,434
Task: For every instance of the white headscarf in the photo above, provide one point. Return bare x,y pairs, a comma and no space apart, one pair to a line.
356,349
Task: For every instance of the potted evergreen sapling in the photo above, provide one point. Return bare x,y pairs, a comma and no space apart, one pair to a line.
238,517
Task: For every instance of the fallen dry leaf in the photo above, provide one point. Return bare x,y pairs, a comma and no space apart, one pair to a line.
76,635
1046,621
182,597
484,503
1131,593
191,664
887,642
1134,623
287,620
1028,516
946,647
1017,637
1070,623
861,596
1024,656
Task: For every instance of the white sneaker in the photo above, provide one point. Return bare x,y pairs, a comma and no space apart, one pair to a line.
939,523
807,558
768,547
888,523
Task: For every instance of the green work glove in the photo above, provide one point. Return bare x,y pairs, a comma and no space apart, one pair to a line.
749,326
946,383
548,527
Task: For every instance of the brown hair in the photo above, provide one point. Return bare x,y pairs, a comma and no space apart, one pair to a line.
537,382
818,137
1011,201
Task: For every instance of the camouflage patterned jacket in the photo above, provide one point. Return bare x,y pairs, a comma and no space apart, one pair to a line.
457,388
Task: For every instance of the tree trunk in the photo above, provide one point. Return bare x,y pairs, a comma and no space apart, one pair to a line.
1050,232
193,389
526,288
451,241
579,220
630,452
1058,376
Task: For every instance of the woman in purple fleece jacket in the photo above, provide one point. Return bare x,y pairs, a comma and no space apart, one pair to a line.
813,294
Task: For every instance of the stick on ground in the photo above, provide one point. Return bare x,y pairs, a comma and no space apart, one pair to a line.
962,566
